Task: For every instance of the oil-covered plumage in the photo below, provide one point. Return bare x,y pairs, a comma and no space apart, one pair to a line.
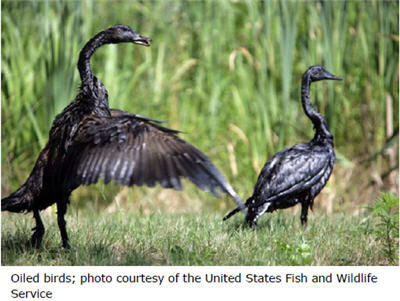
133,150
89,141
297,174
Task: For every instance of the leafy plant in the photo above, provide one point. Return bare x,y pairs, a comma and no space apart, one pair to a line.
386,229
297,253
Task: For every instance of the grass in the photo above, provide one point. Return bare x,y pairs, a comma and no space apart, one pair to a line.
197,239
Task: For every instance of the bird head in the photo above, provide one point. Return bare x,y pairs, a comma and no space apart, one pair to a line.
123,33
316,73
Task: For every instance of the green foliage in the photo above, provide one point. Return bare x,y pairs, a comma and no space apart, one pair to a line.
386,229
195,239
298,254
226,73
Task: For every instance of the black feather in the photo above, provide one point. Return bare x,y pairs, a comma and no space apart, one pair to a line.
297,174
88,142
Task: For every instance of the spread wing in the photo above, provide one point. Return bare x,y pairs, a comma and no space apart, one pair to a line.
135,150
293,172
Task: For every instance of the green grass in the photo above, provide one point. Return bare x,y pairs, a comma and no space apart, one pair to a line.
197,239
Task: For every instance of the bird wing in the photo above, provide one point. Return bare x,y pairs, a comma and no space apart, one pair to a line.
292,172
120,113
134,150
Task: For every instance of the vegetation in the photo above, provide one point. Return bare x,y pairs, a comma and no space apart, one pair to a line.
227,74
122,238
386,229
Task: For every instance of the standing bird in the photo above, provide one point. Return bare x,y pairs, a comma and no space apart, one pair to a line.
89,141
297,174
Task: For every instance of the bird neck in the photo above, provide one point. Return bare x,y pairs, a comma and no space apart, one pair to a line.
84,58
94,97
321,127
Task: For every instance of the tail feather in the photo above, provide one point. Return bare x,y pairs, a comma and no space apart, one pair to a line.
236,210
230,214
18,201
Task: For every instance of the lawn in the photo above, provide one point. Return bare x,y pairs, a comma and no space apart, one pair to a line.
121,238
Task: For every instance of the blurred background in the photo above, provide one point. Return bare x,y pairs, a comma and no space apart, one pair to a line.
227,74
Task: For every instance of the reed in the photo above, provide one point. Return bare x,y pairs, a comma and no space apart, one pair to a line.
226,73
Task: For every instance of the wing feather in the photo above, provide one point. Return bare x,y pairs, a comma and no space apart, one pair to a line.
133,150
289,173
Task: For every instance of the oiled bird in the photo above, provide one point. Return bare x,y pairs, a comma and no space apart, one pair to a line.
297,174
89,141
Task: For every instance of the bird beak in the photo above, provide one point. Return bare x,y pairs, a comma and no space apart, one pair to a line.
336,78
142,40
332,77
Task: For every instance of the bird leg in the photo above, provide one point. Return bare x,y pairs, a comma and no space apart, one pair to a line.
61,210
251,217
304,212
38,230
252,222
